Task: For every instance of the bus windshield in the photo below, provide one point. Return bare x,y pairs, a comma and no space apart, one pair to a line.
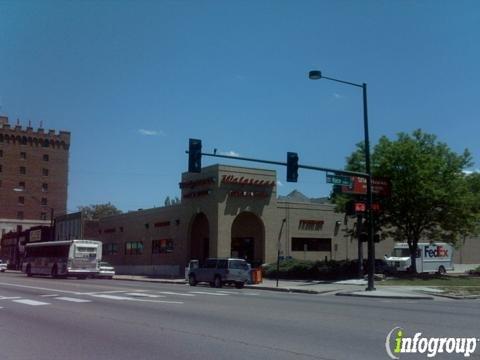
85,252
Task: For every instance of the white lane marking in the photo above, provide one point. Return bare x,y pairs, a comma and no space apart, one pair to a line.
62,291
174,293
250,294
228,292
113,297
144,295
49,295
73,299
208,293
30,302
39,288
9,297
101,292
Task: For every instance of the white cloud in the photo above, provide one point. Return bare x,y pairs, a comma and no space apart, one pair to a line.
279,183
338,96
151,132
230,153
468,172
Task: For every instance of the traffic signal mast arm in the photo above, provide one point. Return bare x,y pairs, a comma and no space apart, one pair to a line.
308,167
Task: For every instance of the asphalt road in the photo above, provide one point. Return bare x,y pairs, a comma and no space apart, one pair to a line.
43,318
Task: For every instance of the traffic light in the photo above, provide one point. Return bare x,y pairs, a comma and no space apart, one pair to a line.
194,155
292,167
350,208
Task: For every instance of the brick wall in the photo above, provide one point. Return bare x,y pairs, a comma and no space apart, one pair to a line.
38,162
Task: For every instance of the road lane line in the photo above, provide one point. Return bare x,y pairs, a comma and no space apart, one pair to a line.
9,297
39,288
111,297
73,299
208,293
114,297
174,293
144,295
102,292
49,295
30,302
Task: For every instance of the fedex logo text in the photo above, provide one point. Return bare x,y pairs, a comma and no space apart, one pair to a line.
438,251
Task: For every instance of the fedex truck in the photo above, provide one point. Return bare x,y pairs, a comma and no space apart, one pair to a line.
431,257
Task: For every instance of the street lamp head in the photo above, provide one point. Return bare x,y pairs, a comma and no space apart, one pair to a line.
315,75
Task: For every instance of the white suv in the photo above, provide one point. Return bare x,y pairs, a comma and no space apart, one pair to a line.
3,266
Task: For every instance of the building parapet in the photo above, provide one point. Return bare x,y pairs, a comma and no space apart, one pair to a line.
29,135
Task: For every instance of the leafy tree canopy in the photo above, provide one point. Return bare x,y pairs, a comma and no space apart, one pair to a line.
431,198
94,212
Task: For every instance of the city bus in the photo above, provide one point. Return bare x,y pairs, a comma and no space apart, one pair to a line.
79,258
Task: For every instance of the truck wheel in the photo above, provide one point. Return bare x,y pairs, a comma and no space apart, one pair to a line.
441,270
192,281
217,281
239,285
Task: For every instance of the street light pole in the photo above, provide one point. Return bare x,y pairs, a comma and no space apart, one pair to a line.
371,244
316,75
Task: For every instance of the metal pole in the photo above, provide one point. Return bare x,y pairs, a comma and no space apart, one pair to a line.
360,245
278,250
371,245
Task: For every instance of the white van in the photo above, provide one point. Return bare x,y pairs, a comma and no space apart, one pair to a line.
431,257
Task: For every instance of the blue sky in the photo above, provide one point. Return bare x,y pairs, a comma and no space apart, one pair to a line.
133,80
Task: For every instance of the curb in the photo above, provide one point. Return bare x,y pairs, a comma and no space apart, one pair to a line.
288,290
251,287
402,297
458,297
159,281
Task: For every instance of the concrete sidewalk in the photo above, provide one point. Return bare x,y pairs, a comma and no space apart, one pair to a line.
355,287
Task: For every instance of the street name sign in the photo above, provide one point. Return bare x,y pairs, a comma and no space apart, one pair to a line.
339,180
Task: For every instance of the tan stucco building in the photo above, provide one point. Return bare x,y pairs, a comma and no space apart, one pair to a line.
232,211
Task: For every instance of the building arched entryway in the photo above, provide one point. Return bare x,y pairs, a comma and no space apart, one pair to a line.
199,237
248,238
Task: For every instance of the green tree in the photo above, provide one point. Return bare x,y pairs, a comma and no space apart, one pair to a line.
93,212
431,197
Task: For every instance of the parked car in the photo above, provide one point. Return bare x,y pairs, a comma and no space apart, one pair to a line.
3,266
105,270
218,272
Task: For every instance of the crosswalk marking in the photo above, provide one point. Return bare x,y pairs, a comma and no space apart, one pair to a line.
9,297
73,299
111,297
30,302
144,295
174,293
228,292
208,293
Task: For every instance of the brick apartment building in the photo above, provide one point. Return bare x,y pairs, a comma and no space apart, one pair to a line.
33,175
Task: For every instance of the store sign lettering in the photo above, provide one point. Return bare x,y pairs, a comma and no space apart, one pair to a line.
230,179
197,183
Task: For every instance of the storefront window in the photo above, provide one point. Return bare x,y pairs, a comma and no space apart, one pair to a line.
134,248
162,246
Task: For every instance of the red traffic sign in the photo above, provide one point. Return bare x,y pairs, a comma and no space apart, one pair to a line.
380,186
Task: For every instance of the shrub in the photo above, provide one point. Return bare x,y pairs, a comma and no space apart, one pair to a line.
311,270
